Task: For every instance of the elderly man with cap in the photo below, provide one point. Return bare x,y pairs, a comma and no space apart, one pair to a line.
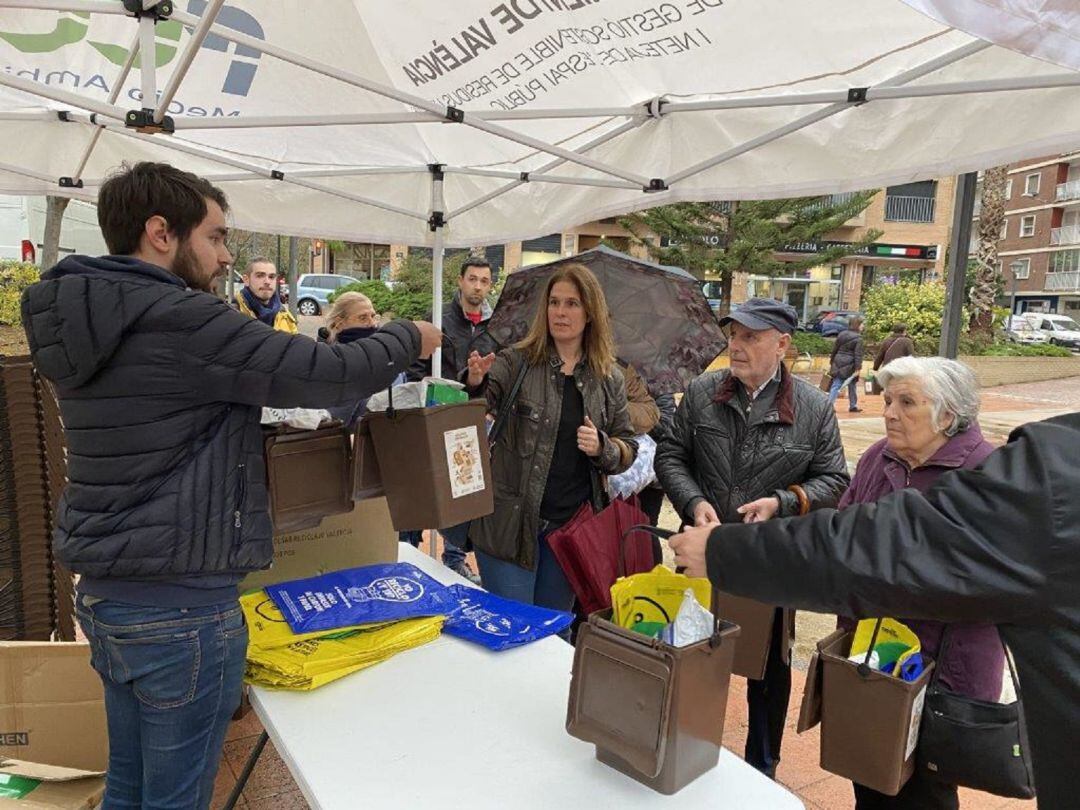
747,445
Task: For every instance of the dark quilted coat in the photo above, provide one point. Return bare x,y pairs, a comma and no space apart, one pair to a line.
713,453
160,390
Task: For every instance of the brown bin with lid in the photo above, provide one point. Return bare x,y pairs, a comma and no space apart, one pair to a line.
434,464
654,711
755,620
869,720
365,475
308,473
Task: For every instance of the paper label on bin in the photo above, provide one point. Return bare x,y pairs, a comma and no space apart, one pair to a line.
916,720
463,461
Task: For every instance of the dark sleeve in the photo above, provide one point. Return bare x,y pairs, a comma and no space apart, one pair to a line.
666,404
232,358
675,456
827,476
880,357
618,443
994,544
422,368
860,354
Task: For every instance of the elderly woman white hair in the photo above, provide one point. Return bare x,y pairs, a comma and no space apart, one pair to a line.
931,427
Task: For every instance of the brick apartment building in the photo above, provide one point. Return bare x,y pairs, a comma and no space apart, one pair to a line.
1039,248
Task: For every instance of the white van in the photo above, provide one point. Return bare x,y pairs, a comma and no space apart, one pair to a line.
22,229
1061,330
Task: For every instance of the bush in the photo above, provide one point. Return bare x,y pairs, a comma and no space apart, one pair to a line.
920,306
378,292
1021,350
812,342
14,278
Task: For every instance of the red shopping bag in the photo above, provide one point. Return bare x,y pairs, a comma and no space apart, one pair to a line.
593,554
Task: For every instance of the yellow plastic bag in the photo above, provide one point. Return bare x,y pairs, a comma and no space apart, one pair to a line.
895,644
312,662
267,628
646,602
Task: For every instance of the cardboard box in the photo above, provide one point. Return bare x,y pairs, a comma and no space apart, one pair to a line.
52,705
435,464
32,785
363,536
755,620
869,721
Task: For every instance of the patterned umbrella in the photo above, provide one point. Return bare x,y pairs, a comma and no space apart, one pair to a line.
663,324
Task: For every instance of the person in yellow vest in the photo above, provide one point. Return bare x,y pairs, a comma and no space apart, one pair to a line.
259,297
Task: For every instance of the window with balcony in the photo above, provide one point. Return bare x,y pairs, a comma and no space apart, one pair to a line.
1027,226
1031,185
1065,261
911,202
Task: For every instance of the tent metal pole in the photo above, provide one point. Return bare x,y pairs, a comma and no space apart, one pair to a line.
959,247
404,117
437,223
598,141
977,86
240,177
110,111
534,177
118,85
187,57
20,170
39,115
148,62
413,101
802,122
345,195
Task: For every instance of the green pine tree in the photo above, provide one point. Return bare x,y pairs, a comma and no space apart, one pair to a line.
722,239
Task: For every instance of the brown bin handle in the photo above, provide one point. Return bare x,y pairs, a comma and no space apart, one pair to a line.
665,534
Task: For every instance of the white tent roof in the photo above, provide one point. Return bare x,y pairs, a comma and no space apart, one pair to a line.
321,118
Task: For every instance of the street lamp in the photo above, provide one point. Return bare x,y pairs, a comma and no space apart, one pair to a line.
1016,266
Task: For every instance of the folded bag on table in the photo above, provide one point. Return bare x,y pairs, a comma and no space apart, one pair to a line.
496,623
354,596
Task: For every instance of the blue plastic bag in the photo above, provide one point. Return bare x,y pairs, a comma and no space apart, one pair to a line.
497,623
373,593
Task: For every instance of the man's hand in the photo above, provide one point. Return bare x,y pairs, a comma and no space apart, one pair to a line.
705,515
430,338
479,367
588,439
760,510
689,548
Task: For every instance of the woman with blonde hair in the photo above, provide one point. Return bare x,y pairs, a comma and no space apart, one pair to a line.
352,317
568,425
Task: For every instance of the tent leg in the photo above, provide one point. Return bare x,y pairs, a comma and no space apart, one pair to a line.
436,223
148,62
959,245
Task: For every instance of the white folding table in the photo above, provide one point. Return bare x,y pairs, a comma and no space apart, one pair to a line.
452,725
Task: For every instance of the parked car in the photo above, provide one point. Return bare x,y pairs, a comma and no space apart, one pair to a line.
1060,330
313,291
835,323
1019,329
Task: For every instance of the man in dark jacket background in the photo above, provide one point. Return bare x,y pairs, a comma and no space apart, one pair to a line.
750,444
160,386
997,544
464,327
846,362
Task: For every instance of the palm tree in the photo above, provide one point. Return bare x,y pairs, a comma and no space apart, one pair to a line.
987,280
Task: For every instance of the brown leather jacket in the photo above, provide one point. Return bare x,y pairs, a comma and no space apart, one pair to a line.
644,414
522,454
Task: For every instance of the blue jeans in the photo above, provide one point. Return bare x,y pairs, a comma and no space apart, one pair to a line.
852,392
172,680
454,540
547,586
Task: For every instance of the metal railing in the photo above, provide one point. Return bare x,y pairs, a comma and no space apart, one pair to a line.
1069,280
909,209
1067,191
1068,235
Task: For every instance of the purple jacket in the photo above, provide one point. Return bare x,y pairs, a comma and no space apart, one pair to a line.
975,659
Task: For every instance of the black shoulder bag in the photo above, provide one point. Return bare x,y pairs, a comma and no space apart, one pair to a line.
973,743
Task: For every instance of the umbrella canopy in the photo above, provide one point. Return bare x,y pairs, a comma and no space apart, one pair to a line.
332,119
663,324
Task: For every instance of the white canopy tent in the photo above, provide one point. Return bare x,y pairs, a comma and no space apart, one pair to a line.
478,121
